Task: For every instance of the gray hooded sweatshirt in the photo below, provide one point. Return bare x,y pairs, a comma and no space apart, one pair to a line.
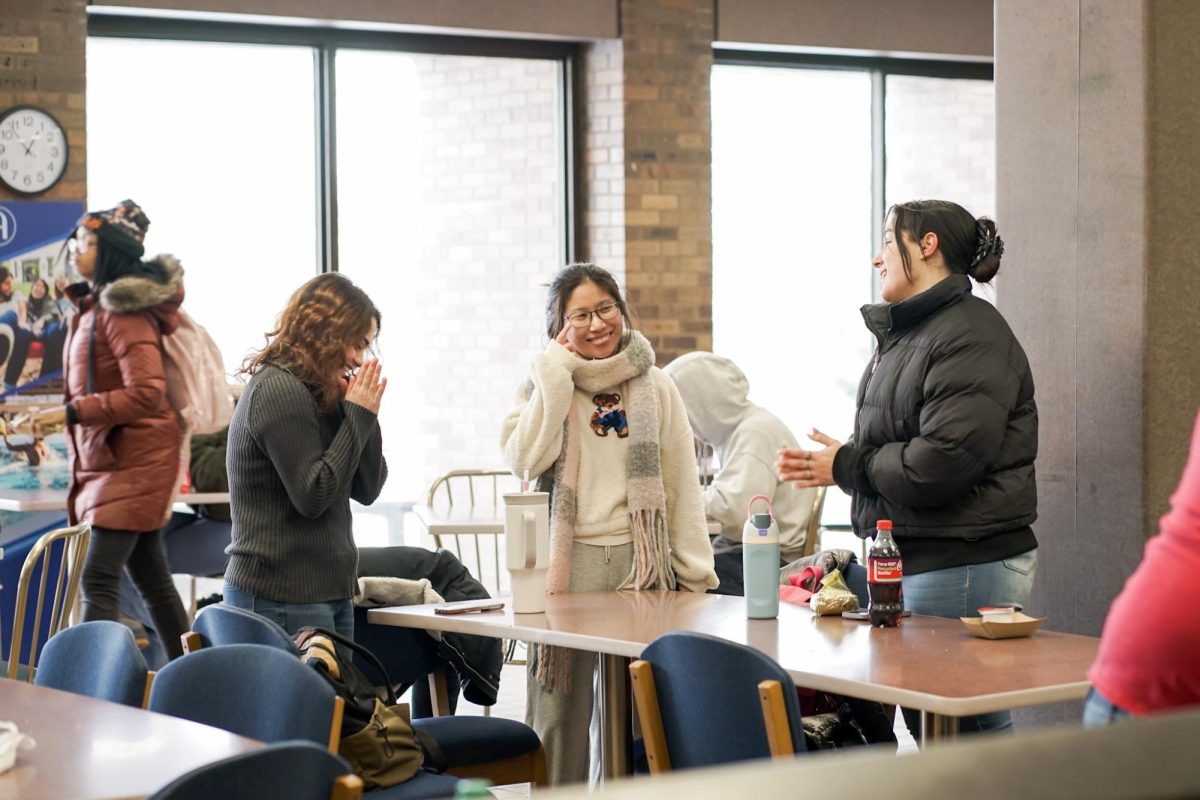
747,439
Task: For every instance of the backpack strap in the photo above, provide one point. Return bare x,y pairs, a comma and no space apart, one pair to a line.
369,657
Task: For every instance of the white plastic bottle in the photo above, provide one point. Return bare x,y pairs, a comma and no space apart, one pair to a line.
760,562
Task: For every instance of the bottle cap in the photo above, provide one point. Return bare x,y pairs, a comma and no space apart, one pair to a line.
883,525
761,521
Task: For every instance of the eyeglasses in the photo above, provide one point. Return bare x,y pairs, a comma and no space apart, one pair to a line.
582,319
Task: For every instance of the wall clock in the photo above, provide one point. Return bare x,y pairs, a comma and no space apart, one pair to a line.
33,150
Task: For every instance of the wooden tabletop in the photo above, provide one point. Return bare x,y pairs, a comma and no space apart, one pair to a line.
56,499
91,749
928,663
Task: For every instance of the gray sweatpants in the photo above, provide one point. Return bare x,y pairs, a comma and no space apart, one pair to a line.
563,719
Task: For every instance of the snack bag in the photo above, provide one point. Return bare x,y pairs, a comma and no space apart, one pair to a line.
834,596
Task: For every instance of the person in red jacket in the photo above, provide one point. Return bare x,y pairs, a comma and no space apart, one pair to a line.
1149,659
123,436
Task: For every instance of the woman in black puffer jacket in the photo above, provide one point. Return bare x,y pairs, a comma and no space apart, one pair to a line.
946,431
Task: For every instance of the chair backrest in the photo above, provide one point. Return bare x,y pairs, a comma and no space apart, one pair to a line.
252,690
219,625
71,555
812,537
292,770
478,492
708,699
99,659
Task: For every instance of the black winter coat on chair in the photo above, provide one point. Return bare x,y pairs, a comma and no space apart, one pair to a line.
409,654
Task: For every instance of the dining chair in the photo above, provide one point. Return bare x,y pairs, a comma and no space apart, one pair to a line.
267,693
474,491
62,551
480,490
284,771
220,624
703,701
812,536
99,659
503,751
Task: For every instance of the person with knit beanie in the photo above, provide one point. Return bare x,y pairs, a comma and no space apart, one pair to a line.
608,435
122,434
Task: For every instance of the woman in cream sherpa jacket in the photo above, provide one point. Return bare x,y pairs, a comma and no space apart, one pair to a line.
606,430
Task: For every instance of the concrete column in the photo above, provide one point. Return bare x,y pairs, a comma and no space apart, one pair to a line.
1096,191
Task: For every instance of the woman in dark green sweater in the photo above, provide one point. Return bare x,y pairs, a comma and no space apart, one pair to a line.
303,442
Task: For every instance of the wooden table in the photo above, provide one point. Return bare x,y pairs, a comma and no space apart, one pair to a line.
90,749
928,663
27,500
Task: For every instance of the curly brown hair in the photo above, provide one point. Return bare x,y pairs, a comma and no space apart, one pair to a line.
322,317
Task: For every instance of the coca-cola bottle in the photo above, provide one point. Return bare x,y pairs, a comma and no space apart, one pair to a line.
884,571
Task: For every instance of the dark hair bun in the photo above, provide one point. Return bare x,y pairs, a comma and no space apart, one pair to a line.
989,247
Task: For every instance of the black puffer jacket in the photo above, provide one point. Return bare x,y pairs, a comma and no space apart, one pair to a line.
946,431
476,659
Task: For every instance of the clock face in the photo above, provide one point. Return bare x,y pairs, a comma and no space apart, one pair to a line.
33,150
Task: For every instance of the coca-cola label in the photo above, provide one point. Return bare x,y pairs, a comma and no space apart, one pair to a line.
884,570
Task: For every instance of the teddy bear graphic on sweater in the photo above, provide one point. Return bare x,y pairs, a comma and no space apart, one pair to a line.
609,415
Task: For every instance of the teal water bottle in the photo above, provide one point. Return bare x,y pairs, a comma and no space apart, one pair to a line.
760,562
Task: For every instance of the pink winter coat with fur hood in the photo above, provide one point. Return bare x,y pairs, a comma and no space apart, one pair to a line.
125,444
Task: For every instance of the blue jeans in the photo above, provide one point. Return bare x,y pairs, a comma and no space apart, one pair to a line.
1098,710
337,615
959,592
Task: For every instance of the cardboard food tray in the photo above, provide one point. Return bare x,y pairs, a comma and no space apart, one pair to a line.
1020,625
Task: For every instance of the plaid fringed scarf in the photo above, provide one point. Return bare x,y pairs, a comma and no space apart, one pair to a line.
647,498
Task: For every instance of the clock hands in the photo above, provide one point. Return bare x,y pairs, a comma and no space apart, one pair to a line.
32,142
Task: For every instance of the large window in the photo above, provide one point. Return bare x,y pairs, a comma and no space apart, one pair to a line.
450,196
216,142
807,156
430,170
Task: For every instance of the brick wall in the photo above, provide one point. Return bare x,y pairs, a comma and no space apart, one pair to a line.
42,64
648,126
941,142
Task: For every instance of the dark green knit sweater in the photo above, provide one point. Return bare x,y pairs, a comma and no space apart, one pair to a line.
292,473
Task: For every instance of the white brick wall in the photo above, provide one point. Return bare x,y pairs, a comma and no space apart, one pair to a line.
464,313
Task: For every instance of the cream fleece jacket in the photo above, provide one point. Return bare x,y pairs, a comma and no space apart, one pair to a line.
532,439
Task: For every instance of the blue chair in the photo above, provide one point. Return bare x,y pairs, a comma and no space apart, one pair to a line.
703,701
285,771
268,694
219,625
502,750
98,659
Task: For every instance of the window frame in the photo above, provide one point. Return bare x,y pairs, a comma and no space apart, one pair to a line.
325,42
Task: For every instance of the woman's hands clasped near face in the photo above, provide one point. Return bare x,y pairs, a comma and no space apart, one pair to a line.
366,387
807,469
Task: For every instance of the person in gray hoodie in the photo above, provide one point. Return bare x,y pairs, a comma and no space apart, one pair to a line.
747,439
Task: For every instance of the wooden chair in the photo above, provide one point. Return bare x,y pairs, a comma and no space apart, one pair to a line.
292,770
812,538
71,556
703,700
480,492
